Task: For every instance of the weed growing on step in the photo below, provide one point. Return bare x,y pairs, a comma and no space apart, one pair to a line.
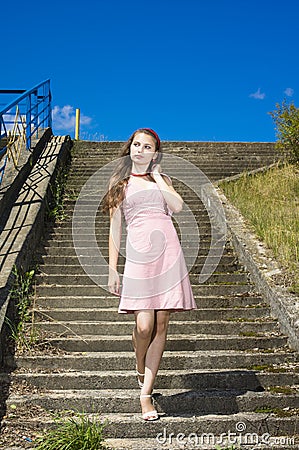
56,210
71,195
250,334
278,412
287,390
76,433
269,201
21,296
271,368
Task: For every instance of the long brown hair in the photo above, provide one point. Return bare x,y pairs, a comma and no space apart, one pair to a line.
121,174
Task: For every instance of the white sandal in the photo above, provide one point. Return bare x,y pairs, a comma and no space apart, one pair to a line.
149,416
140,383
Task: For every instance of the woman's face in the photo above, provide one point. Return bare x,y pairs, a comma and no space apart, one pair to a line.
143,149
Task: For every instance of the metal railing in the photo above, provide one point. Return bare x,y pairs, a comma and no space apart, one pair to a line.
22,120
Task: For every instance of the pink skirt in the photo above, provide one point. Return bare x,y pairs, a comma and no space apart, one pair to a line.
155,274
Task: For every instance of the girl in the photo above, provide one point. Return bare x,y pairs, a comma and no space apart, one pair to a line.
155,280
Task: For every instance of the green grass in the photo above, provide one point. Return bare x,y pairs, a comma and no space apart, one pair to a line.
273,369
278,412
287,390
22,329
269,202
75,433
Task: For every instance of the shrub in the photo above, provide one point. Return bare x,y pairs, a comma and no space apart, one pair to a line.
286,118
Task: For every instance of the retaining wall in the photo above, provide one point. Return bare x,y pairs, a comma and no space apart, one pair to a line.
22,211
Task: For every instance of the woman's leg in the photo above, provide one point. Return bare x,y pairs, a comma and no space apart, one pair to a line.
142,336
153,356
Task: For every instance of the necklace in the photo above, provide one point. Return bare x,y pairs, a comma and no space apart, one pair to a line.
139,174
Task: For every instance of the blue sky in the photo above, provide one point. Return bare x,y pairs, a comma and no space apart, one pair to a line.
194,70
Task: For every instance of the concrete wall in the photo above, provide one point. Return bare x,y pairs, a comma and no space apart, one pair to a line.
22,212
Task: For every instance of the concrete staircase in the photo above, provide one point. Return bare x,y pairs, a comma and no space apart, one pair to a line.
226,368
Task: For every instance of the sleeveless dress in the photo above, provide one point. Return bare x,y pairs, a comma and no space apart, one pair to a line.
155,274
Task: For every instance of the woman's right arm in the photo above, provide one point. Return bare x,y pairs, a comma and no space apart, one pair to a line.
114,246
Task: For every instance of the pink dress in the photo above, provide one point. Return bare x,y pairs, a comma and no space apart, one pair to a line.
155,274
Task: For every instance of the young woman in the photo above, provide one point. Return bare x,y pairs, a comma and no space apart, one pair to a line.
155,280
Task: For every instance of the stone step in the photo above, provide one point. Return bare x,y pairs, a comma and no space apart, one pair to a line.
110,302
83,234
75,184
167,402
82,222
84,280
225,165
223,168
104,343
201,153
64,243
111,314
77,269
61,234
70,251
206,165
215,428
247,380
94,290
226,261
124,425
65,239
219,359
224,328
220,169
91,203
72,262
204,151
204,432
204,442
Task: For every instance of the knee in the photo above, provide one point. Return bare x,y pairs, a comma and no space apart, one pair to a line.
162,327
144,331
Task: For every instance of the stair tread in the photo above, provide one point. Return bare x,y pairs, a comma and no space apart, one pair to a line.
167,353
134,393
130,319
99,337
165,372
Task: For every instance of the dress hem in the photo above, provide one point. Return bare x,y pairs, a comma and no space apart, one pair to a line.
131,311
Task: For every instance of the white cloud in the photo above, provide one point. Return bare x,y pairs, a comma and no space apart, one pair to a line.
10,122
65,118
258,95
289,92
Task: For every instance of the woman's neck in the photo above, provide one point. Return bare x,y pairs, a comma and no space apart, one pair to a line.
138,170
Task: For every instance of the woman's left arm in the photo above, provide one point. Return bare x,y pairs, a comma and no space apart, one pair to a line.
173,199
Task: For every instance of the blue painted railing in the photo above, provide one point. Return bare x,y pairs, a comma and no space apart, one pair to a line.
23,120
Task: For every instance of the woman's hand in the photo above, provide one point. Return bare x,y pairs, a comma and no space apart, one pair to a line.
173,199
114,282
156,169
